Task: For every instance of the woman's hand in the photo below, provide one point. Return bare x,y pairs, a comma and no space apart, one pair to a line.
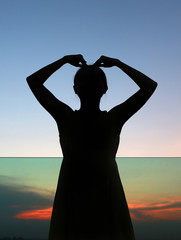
104,61
75,60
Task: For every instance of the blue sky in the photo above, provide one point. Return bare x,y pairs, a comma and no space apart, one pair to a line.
143,34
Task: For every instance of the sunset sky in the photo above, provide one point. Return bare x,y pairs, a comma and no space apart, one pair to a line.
143,34
152,187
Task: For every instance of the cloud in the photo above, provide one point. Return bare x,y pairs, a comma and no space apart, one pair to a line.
167,210
4,179
28,202
16,198
26,210
37,214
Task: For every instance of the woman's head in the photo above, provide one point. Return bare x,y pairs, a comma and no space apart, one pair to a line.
90,81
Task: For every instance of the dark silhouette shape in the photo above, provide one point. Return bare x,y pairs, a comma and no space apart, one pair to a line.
90,203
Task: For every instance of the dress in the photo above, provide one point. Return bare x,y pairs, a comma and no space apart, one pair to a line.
89,203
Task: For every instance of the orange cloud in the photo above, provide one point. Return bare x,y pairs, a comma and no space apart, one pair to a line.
167,210
41,214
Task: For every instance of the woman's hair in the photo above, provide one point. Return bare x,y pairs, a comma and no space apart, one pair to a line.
92,73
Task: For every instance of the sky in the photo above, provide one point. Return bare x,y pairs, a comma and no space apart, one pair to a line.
151,185
144,34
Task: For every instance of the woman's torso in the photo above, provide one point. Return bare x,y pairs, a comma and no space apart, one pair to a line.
92,135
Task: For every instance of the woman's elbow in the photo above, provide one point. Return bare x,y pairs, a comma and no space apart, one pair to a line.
31,80
155,84
28,79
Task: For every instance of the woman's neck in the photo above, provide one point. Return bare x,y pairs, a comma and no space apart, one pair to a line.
90,106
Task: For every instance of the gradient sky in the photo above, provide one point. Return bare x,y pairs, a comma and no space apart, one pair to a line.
143,34
152,188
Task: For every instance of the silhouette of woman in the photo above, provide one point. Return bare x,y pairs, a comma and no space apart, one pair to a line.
90,203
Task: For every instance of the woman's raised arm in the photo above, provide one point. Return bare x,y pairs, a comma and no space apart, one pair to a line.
44,73
147,86
42,94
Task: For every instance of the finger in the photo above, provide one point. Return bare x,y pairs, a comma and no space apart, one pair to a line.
98,62
83,60
81,64
101,60
84,63
76,64
103,65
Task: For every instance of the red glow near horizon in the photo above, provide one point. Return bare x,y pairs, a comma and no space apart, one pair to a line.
41,214
168,210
